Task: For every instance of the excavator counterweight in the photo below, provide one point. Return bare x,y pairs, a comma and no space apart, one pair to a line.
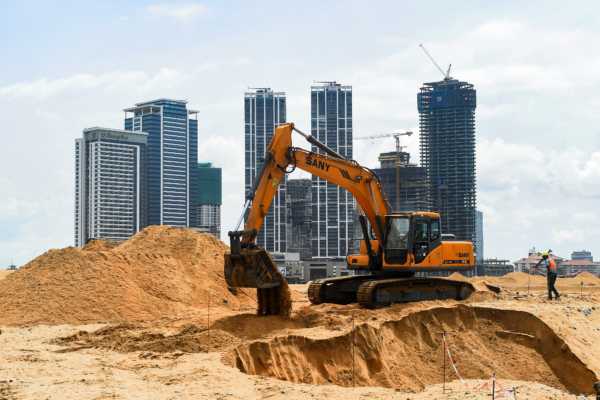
395,245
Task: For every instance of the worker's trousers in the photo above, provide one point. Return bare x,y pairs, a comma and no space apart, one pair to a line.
551,288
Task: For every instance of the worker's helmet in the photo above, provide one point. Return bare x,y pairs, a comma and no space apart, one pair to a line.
544,255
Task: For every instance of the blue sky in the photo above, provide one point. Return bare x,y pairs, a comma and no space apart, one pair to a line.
70,65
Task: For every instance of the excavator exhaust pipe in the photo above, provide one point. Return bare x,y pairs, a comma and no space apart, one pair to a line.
253,267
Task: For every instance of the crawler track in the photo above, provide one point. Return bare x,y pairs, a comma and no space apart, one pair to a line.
340,290
381,293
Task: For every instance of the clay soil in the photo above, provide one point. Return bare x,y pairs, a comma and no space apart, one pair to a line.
134,322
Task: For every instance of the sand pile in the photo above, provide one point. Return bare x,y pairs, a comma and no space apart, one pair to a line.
96,245
159,271
585,277
4,274
458,277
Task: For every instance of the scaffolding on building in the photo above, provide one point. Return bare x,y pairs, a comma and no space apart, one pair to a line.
447,143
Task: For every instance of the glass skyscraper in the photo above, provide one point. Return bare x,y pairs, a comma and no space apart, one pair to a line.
264,111
333,207
447,140
110,184
209,198
172,159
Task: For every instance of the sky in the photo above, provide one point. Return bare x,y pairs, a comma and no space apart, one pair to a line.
67,66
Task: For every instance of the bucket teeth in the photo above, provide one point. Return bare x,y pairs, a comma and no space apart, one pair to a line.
252,268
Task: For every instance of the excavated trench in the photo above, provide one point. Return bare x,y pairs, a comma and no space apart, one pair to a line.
407,353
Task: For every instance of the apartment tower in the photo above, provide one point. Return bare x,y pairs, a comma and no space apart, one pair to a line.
110,184
265,110
333,207
172,159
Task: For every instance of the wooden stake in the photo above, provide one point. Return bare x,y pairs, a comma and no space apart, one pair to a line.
444,354
494,387
353,349
208,350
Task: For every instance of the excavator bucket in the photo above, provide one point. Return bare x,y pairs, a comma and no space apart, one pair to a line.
252,268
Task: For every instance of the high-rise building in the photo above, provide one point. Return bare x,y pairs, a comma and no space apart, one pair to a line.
110,184
299,217
582,255
264,111
413,182
172,159
447,135
333,207
479,256
209,198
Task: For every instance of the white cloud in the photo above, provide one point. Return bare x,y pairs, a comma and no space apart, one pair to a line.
183,13
139,81
565,236
583,218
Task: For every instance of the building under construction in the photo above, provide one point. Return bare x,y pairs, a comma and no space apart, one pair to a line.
412,182
299,217
447,141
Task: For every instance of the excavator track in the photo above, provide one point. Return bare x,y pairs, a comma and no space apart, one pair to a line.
340,290
381,293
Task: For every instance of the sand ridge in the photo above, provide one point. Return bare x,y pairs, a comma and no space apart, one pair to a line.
160,271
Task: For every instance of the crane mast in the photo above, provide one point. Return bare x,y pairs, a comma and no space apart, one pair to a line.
395,135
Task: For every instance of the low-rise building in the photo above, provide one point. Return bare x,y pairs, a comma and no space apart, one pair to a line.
494,267
575,266
524,264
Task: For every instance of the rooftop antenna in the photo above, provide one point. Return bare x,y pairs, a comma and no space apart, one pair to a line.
447,73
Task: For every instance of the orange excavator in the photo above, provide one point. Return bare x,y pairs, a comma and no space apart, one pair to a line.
396,245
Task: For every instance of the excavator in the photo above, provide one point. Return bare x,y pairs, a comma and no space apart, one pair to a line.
396,245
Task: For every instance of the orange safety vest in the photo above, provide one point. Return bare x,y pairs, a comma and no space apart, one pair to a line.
552,265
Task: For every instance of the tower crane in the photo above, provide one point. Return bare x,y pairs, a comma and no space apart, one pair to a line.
447,73
395,135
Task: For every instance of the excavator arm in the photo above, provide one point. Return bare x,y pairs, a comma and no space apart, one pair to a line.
249,266
334,168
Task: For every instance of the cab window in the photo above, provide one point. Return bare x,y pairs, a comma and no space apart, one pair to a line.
435,229
398,234
421,230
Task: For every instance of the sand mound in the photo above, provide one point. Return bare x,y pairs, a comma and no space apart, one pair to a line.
458,277
585,277
159,271
96,245
126,338
4,274
407,353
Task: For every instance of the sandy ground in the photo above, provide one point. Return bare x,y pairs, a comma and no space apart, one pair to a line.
34,366
5,273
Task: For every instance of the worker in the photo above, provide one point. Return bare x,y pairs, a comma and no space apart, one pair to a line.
551,274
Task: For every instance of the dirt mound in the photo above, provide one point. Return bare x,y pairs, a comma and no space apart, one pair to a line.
4,274
406,353
458,277
516,277
585,277
96,245
127,338
159,271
